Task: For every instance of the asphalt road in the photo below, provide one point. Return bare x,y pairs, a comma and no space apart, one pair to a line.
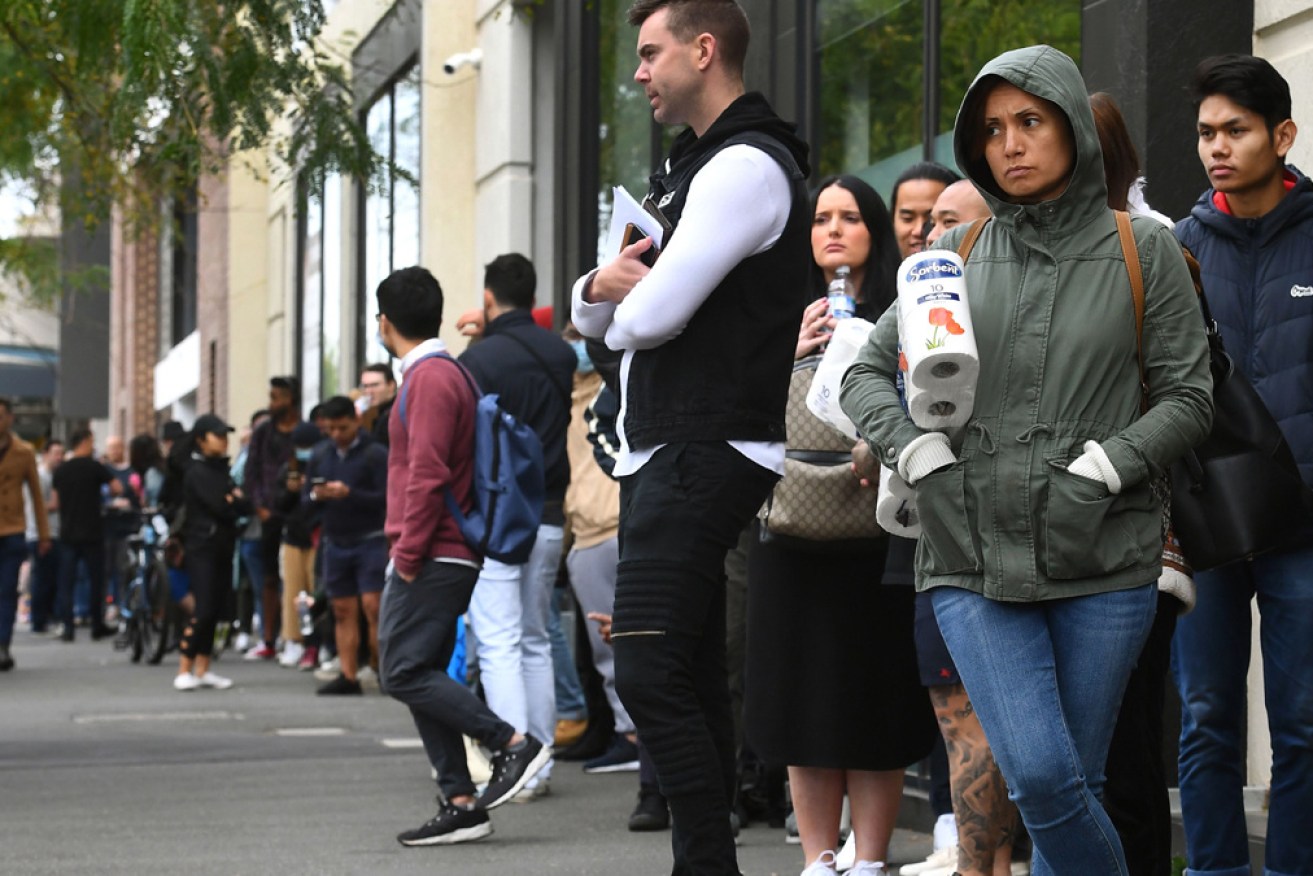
104,768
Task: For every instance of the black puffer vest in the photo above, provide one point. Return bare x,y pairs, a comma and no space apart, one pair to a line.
726,377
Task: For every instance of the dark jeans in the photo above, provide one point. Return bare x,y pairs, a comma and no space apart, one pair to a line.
680,515
416,635
210,568
44,585
91,555
13,550
1135,792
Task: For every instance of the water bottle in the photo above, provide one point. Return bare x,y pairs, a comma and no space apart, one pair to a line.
842,304
305,602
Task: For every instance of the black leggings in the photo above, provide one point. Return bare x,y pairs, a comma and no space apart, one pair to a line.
210,567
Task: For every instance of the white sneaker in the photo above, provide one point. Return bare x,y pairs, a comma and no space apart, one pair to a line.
938,860
329,670
945,831
291,655
847,856
218,682
367,677
242,643
185,681
822,866
868,868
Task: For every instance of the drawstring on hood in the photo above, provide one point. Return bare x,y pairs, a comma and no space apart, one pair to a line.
1048,73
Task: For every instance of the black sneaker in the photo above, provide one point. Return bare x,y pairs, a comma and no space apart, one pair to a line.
621,757
512,768
651,813
340,686
451,825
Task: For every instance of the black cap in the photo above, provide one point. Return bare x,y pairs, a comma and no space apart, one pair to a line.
306,435
209,424
173,431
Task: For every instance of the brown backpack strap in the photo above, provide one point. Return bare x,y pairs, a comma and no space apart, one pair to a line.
973,234
1131,255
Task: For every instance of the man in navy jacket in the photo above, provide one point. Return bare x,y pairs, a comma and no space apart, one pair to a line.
347,477
1252,233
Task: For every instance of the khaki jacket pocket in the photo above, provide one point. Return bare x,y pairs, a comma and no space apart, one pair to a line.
946,546
1088,531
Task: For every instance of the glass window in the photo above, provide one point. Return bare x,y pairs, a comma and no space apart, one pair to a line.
177,274
872,79
319,310
390,235
625,122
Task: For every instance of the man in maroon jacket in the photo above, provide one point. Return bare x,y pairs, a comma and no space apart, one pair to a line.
433,570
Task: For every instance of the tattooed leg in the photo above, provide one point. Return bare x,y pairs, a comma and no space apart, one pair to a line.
986,818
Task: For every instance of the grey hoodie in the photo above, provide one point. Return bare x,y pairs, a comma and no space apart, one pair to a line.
1054,322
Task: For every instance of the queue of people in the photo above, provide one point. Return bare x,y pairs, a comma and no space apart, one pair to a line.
1022,642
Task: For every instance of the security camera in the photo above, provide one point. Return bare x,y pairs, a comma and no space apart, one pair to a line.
472,58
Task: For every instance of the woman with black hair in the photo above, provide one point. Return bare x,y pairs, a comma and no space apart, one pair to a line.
211,504
822,631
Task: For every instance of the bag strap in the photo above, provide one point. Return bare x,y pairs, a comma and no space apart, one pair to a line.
474,387
1131,255
546,369
973,234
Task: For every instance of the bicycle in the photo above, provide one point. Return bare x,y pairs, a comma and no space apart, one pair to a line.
148,614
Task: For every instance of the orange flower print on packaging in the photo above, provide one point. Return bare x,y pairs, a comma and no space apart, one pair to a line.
942,317
902,361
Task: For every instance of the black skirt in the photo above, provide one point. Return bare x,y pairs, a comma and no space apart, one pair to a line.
831,676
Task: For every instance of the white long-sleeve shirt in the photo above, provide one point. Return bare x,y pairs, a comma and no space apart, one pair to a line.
738,205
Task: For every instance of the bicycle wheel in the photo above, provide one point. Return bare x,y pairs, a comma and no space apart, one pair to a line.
160,618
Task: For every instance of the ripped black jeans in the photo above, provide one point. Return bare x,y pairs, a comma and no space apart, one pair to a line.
679,515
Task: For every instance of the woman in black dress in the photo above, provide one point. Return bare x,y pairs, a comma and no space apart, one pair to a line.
832,684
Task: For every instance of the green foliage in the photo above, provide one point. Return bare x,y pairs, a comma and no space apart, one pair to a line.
140,98
872,66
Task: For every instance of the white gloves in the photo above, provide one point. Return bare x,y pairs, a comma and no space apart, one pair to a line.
1095,465
930,452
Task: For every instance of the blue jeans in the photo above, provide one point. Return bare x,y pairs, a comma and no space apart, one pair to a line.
45,581
1046,679
570,701
13,550
509,614
1210,660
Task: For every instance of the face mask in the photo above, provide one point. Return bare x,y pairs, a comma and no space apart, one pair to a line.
581,353
303,454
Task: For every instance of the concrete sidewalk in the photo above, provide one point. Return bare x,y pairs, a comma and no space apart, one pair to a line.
104,768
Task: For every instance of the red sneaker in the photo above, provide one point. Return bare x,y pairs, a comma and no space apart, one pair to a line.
261,652
309,659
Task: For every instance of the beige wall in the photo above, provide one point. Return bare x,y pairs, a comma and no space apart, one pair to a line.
447,175
248,286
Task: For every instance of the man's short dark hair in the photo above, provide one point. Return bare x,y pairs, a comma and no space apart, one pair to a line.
52,443
255,417
316,413
411,299
79,435
922,170
380,368
290,385
6,404
338,407
1251,82
723,19
512,281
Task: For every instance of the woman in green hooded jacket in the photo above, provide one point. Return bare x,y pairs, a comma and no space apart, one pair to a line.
1041,536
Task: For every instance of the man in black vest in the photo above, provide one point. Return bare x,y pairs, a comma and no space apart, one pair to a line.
707,336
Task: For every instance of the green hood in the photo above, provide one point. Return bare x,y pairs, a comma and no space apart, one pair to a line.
1044,72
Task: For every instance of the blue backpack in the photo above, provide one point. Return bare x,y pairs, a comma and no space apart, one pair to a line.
509,481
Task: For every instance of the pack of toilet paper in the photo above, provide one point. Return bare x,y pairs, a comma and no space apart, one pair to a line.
849,337
895,506
939,360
